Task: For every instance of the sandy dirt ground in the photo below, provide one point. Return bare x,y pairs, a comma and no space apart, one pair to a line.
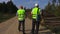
11,27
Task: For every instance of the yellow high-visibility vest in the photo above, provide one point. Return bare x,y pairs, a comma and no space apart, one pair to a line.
21,14
35,12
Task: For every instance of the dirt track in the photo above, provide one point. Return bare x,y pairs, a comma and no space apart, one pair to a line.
11,27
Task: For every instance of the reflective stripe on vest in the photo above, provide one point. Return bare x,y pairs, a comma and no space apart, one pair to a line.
34,16
21,17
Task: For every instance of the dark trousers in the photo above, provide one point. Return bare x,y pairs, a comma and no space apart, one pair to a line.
22,23
35,23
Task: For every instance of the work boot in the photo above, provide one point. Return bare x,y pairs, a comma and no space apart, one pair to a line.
19,29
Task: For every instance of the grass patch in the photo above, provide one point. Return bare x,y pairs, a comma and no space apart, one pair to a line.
55,29
4,17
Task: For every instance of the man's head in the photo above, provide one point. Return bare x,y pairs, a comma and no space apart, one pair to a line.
36,5
21,7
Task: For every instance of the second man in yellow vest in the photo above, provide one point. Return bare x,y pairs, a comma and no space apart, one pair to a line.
35,19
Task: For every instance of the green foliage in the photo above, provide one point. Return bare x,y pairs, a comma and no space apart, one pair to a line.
53,7
8,7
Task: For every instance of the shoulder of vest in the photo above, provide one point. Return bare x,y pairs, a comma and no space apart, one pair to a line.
38,8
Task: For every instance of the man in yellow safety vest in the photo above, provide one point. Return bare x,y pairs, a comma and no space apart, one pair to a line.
21,19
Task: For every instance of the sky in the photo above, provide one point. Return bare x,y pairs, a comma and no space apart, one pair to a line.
29,3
